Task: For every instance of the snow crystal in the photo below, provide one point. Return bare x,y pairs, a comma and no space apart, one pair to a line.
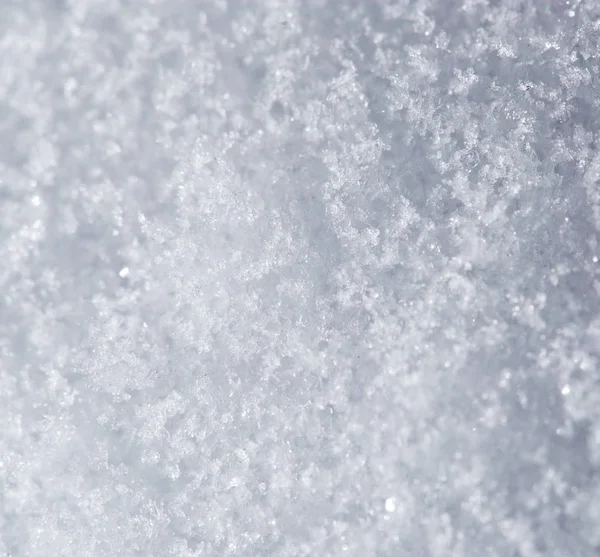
390,504
289,278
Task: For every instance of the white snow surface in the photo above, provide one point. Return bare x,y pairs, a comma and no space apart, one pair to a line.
292,278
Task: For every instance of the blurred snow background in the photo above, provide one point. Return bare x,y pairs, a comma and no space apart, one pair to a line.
299,278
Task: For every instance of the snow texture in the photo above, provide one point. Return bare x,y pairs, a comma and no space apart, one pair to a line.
292,278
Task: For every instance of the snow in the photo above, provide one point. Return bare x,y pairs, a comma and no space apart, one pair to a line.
286,278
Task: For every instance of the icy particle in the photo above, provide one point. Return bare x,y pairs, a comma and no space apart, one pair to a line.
233,483
390,504
566,390
124,272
